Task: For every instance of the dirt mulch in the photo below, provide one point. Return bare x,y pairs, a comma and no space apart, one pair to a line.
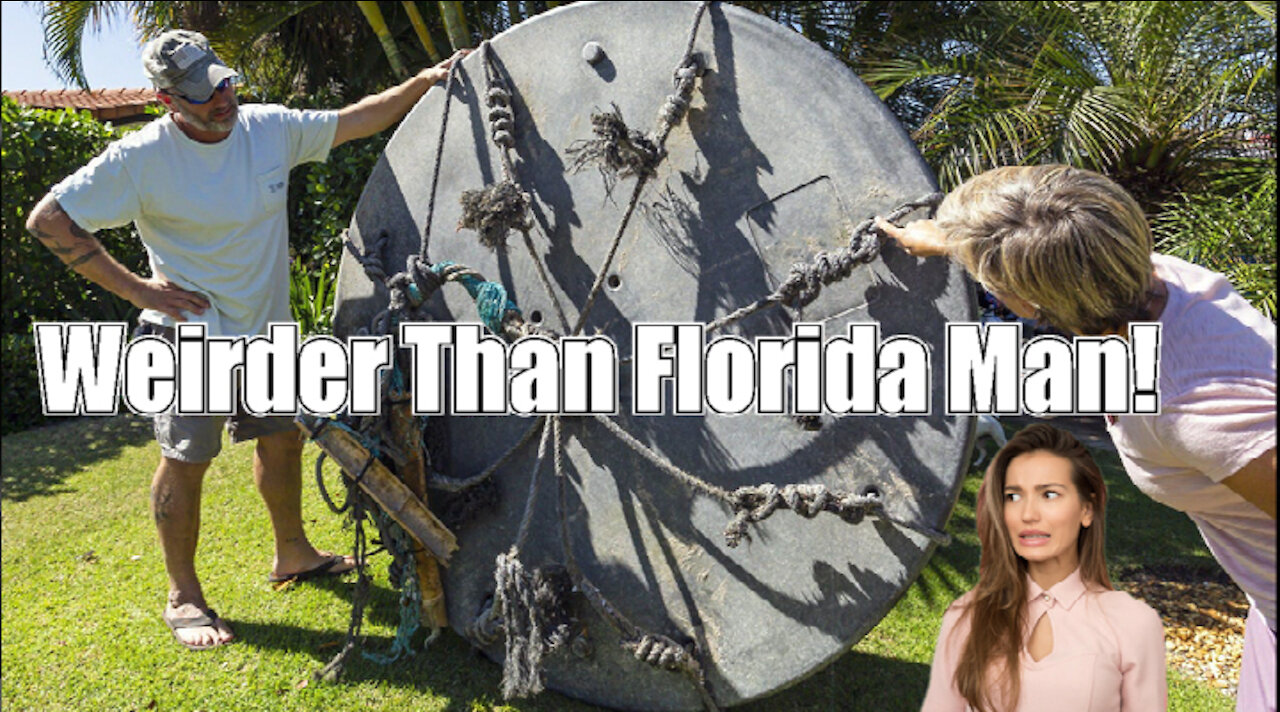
1203,625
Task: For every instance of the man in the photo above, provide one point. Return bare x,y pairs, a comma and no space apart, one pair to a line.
206,187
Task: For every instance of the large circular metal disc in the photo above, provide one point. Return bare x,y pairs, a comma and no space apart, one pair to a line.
781,153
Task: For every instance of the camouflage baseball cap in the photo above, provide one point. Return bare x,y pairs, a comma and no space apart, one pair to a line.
182,60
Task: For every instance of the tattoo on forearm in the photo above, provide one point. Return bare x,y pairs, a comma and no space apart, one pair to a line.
83,258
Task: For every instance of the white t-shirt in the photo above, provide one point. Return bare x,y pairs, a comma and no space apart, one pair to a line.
1218,414
212,216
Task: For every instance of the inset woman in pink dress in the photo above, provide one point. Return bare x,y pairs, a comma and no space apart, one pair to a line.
1044,630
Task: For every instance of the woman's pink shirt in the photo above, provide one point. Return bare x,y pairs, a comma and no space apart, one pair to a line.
1108,653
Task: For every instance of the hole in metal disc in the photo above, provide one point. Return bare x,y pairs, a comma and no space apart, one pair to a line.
535,317
871,491
613,281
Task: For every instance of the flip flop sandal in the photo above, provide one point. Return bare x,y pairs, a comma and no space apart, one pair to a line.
321,571
207,618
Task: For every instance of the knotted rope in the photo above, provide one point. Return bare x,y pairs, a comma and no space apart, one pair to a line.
755,504
806,279
531,606
672,111
494,211
616,151
497,209
504,206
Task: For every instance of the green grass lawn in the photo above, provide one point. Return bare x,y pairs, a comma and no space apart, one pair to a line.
84,584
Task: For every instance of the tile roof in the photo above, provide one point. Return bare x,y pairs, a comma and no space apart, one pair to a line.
102,103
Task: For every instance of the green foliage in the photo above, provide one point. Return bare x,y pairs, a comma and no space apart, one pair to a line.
311,296
1165,98
1234,235
19,390
1156,95
40,148
284,47
322,199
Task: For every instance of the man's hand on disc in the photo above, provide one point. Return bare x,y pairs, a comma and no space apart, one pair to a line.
440,71
164,296
919,238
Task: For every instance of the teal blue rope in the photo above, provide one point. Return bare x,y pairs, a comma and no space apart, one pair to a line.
491,298
410,596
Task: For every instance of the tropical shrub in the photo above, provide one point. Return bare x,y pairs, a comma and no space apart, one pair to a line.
40,148
1233,235
1175,101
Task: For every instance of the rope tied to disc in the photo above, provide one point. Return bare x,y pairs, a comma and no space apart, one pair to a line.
409,290
530,607
759,502
535,615
494,211
805,280
617,151
661,652
755,503
497,209
515,602
684,82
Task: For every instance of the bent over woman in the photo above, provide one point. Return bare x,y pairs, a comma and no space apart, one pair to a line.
1071,248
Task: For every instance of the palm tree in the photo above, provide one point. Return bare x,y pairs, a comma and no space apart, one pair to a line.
344,49
1159,96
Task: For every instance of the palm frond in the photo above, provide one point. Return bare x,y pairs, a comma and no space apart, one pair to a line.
64,25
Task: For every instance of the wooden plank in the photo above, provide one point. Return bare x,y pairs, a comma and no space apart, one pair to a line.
392,495
405,431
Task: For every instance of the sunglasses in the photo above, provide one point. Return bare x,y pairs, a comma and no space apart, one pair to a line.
222,85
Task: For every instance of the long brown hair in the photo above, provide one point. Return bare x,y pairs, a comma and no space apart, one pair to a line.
996,610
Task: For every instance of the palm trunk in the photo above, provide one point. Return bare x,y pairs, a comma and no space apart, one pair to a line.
455,24
379,26
420,27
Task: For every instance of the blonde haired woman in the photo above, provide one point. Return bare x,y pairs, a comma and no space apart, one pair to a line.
1072,248
1043,630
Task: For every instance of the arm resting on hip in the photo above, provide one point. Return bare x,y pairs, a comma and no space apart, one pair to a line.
82,253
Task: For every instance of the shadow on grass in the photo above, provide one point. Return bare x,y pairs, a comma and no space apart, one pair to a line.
449,667
452,668
857,681
952,567
1141,533
37,462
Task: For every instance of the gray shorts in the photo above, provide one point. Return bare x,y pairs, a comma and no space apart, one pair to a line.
198,438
